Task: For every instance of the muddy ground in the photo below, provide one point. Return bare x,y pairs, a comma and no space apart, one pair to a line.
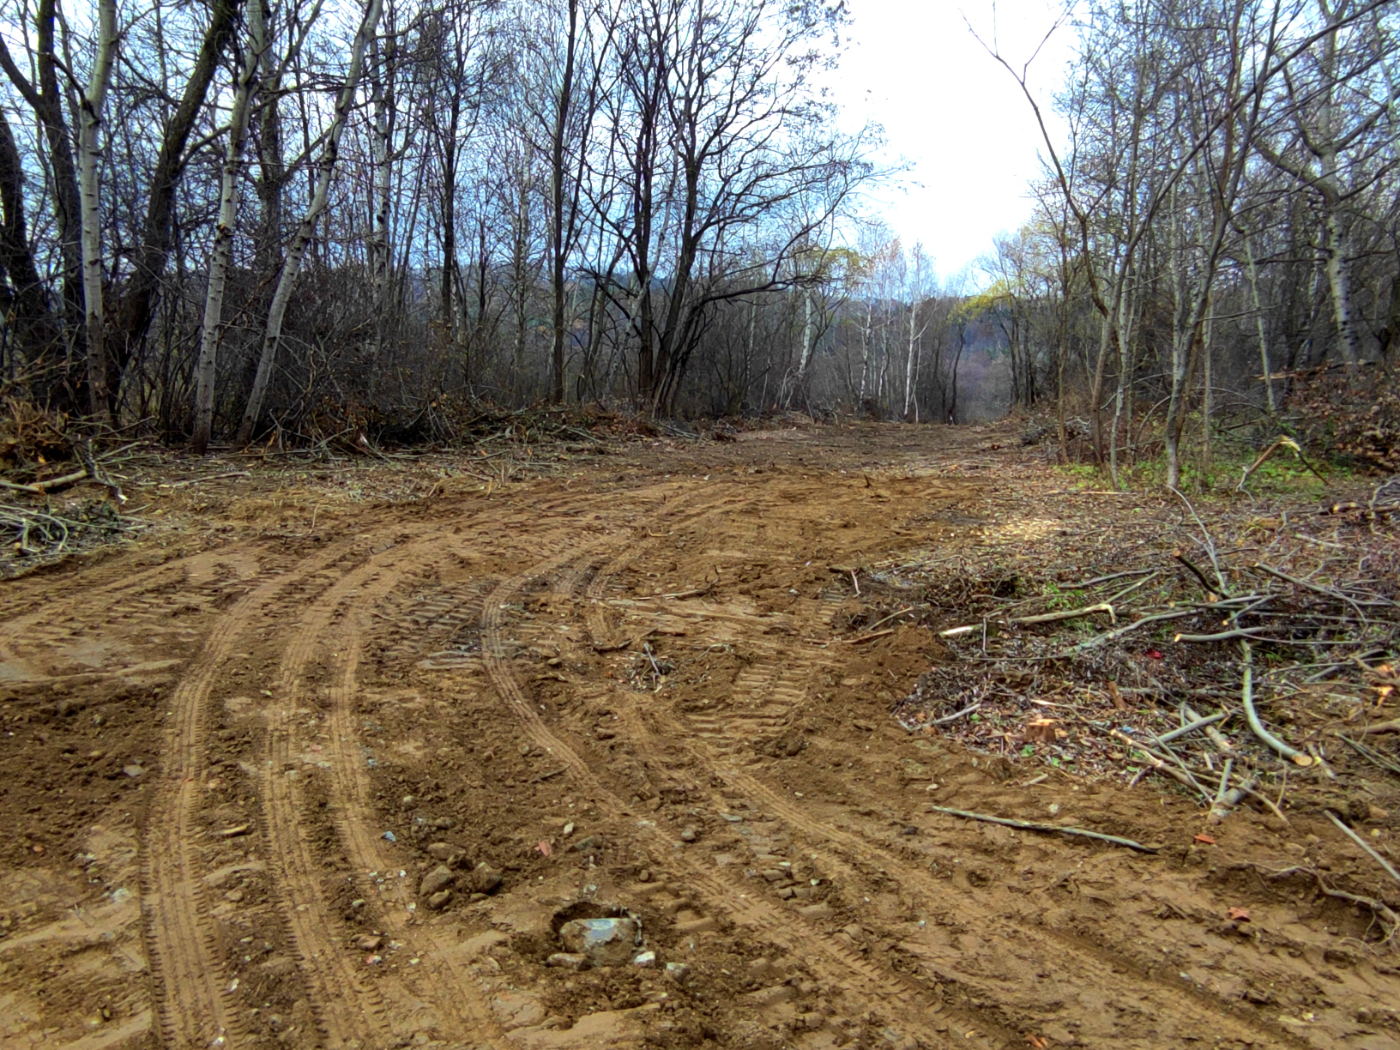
634,683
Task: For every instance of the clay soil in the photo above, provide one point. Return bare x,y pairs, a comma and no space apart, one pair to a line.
632,680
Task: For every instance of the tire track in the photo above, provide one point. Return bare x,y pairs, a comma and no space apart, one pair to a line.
829,960
710,741
196,1007
469,1019
347,1006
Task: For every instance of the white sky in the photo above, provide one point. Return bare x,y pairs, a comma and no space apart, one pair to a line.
951,111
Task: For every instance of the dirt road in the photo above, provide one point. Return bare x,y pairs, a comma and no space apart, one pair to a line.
338,779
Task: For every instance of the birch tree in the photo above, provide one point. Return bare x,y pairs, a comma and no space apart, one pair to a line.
296,251
94,98
221,251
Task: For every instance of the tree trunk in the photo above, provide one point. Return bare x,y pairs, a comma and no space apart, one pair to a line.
296,251
1259,325
271,169
138,303
47,103
89,153
29,316
1339,280
559,224
222,250
909,358
382,103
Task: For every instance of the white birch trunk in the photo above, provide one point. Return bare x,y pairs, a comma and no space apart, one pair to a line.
222,250
806,355
296,251
865,351
379,243
909,358
1339,280
1259,324
89,153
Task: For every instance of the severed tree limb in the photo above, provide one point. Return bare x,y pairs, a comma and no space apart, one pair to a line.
1181,776
1379,909
39,488
1199,723
1220,808
1216,736
1222,636
1052,617
1390,870
1185,561
83,449
955,715
1248,789
1209,545
1104,579
1247,699
1317,588
862,639
1067,614
1028,825
1118,632
1370,754
626,643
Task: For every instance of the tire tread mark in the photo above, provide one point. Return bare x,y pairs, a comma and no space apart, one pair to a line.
708,740
354,816
195,1002
837,961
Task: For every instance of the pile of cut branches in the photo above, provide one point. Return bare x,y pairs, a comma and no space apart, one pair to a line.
1244,666
42,457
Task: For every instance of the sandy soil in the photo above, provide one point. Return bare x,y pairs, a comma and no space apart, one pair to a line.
230,755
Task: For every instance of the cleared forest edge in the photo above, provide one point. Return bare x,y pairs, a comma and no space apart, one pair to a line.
356,775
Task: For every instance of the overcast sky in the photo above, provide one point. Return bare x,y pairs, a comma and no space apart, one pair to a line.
951,111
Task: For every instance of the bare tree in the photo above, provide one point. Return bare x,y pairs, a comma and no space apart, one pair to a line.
296,251
222,249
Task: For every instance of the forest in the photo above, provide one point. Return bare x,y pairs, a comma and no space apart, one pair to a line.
244,220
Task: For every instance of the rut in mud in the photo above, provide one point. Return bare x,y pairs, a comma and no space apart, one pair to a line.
341,784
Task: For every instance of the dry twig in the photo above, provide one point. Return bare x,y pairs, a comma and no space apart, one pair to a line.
1028,825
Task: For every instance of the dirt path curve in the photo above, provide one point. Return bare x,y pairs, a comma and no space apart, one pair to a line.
629,691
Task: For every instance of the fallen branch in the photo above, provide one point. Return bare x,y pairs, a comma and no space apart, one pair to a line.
1205,583
1199,723
39,488
1378,908
1216,736
1393,726
693,593
1267,802
1209,545
1370,754
1179,772
867,637
1247,699
955,715
211,477
1101,639
1283,442
1225,799
891,616
1390,870
1104,579
612,647
1223,636
1028,825
1067,614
